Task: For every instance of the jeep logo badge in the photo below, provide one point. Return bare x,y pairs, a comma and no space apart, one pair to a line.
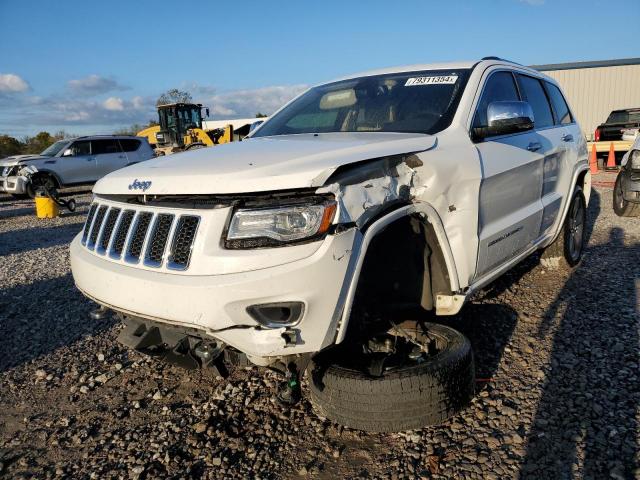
138,185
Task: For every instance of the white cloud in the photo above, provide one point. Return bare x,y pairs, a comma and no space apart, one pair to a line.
114,104
138,102
246,103
12,83
67,110
94,85
80,116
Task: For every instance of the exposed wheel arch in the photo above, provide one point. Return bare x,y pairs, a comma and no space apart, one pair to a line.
437,240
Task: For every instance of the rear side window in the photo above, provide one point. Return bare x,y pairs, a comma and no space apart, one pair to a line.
559,105
499,88
534,94
105,146
129,144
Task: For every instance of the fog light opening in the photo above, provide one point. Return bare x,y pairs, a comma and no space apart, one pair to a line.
276,315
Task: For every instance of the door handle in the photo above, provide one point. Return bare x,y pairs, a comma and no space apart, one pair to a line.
121,156
50,161
91,159
534,146
567,138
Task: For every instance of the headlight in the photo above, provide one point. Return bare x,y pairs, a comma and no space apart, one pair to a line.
635,159
272,227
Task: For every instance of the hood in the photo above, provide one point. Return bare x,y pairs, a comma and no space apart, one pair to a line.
259,164
16,159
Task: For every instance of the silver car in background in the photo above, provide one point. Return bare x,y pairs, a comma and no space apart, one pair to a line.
71,162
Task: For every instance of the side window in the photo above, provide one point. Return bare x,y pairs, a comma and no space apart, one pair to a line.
82,148
534,94
559,105
499,88
101,147
129,144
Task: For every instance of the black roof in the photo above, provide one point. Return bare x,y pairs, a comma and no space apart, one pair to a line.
592,64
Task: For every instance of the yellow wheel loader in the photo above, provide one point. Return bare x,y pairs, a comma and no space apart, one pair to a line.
181,129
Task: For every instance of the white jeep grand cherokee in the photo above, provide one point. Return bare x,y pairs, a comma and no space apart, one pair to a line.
324,240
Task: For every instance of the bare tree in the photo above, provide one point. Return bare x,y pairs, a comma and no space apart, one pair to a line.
174,96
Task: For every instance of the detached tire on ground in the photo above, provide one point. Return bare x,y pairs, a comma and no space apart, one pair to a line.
568,247
401,399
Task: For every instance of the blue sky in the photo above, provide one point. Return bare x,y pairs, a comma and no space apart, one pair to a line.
92,67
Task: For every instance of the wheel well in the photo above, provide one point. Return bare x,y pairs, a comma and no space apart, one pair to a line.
403,271
44,174
584,181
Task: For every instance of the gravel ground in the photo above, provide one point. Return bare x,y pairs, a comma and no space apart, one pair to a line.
556,353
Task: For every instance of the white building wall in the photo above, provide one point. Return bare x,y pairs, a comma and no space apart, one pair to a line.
593,92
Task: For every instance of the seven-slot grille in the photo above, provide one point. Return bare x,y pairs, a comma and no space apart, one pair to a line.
141,235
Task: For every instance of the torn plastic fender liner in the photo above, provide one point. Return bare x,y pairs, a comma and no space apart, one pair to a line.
365,189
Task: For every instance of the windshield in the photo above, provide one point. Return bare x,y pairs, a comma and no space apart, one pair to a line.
189,117
53,150
624,117
415,102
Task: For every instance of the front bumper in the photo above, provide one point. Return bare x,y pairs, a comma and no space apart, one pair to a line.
13,185
220,301
630,185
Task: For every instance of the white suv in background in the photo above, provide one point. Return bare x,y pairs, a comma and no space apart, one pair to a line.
75,161
332,238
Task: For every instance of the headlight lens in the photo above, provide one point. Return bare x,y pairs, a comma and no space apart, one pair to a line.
251,228
635,159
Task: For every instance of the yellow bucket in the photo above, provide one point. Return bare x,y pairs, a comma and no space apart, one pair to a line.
46,207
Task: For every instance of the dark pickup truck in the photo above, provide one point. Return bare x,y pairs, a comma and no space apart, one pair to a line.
618,121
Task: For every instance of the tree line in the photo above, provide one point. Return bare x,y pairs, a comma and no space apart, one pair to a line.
29,145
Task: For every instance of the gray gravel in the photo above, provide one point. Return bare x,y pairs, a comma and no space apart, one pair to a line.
556,354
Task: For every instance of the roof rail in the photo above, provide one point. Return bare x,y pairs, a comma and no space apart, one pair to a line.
501,59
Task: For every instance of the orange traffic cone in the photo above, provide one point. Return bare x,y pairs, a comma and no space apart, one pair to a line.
593,160
611,161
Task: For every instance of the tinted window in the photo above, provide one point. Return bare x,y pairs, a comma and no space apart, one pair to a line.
534,94
81,148
129,144
499,88
421,102
559,105
105,146
623,116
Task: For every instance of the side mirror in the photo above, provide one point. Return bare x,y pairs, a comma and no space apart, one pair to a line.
68,152
207,110
504,118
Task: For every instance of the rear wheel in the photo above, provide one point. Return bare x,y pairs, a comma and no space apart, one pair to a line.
622,207
195,146
419,374
568,248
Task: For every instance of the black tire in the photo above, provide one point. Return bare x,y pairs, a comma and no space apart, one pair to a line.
195,146
403,399
622,207
20,196
39,181
568,247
